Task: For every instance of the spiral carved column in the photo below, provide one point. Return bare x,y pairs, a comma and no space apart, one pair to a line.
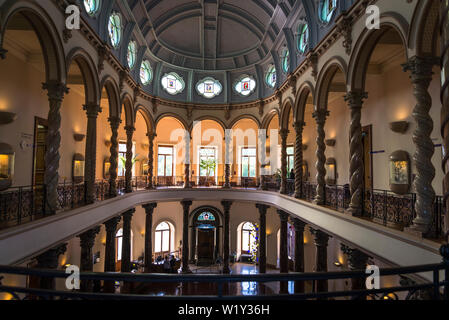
320,118
151,137
113,160
110,251
228,159
284,135
262,237
356,168
56,91
148,256
126,243
357,262
421,76
129,159
187,139
226,236
321,242
299,128
444,34
186,204
92,111
87,241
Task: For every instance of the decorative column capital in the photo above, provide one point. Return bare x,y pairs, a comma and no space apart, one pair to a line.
356,258
226,205
283,216
128,214
292,83
320,115
284,133
186,204
115,122
263,208
111,224
130,130
49,259
55,89
92,110
321,238
299,225
420,67
149,207
87,239
151,135
299,125
355,98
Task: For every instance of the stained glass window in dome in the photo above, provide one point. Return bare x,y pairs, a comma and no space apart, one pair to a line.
91,6
327,9
146,73
132,54
245,85
173,83
209,88
115,29
206,216
286,60
303,37
270,76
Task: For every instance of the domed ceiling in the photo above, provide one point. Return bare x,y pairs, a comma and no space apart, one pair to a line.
213,34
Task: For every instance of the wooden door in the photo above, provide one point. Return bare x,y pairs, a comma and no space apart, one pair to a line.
206,244
40,147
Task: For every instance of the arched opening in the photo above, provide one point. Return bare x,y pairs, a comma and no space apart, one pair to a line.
119,246
247,242
245,168
143,129
164,239
208,153
170,152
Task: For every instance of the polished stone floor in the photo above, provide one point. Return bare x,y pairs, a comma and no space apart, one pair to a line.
229,289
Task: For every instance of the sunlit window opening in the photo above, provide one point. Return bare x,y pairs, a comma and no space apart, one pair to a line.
115,29
327,9
249,162
303,37
245,85
132,54
209,88
162,238
165,164
285,60
173,83
122,158
271,77
146,73
91,6
249,238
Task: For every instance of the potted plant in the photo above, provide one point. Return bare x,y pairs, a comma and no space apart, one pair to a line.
208,165
123,160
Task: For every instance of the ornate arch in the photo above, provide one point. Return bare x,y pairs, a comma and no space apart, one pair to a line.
268,117
302,96
89,73
242,117
172,115
325,78
112,91
365,45
423,31
285,113
211,118
127,103
46,31
197,211
147,117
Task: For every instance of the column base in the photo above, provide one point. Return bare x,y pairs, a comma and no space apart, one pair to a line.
355,212
226,270
419,228
186,270
226,186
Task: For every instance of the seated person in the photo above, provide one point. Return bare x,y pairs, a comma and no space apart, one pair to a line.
167,265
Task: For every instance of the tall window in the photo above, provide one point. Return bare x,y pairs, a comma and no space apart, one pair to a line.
249,162
285,60
132,54
327,9
303,37
245,85
91,6
122,158
146,73
165,163
207,155
249,238
115,29
119,244
290,159
270,76
162,238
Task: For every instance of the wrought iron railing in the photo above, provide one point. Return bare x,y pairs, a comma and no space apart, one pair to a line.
435,290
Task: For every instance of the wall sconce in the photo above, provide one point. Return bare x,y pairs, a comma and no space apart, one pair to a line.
107,143
330,142
7,117
106,167
400,172
7,157
305,170
304,147
399,126
142,233
79,137
78,168
338,264
331,171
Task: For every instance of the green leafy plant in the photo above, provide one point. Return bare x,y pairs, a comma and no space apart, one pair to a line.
209,166
123,160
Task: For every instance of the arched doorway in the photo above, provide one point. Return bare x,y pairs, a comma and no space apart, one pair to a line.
247,242
206,224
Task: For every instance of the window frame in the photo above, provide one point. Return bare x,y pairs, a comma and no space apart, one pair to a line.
249,237
162,238
95,12
120,29
249,162
134,54
301,33
146,63
165,160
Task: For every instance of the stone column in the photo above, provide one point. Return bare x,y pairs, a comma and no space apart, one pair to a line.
321,241
49,260
149,210
92,111
262,144
55,91
284,135
129,159
357,262
185,236
87,241
283,248
320,118
226,236
110,251
151,137
126,243
356,168
421,76
262,237
299,128
228,158
299,252
115,123
187,139
444,35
